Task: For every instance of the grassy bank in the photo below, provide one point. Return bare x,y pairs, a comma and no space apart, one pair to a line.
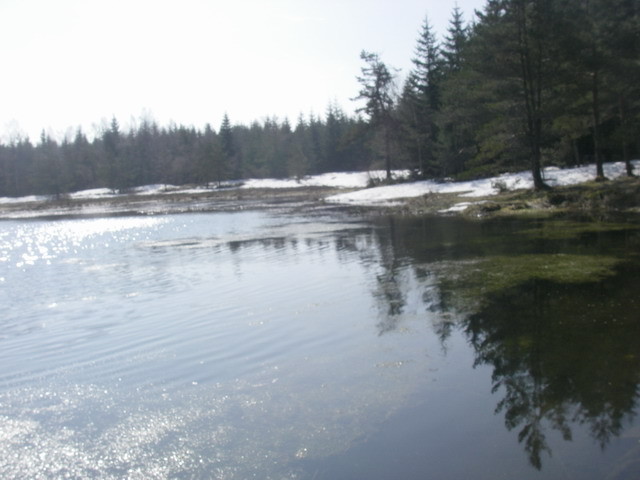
595,199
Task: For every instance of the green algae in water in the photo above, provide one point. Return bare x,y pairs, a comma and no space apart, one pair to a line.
566,229
472,280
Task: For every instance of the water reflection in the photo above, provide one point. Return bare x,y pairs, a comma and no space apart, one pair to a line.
389,282
254,346
562,354
558,359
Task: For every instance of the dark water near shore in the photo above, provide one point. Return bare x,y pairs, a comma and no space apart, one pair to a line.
323,346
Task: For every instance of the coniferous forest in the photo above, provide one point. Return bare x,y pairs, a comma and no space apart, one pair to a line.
528,84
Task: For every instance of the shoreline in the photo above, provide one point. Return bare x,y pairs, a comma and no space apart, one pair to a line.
618,196
223,200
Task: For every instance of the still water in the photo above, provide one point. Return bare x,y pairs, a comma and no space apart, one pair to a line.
329,346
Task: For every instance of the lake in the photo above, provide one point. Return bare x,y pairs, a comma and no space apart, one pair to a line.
323,345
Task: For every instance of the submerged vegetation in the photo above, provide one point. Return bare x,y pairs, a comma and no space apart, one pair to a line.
471,282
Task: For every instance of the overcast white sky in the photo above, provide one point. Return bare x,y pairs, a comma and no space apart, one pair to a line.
70,63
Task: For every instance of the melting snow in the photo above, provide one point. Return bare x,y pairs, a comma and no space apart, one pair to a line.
336,179
553,176
383,195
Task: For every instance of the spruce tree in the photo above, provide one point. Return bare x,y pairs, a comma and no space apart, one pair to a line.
515,54
620,30
420,102
600,51
112,143
232,160
455,41
460,99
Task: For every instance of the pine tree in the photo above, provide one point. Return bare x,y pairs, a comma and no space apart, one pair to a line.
112,143
594,64
515,54
455,42
600,51
377,90
420,102
617,36
460,100
231,157
212,163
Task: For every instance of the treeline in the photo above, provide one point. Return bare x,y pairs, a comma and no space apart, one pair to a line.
530,83
179,155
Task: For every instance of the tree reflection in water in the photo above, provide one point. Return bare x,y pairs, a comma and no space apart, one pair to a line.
389,282
562,354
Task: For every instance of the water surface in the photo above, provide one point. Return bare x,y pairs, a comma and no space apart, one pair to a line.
272,345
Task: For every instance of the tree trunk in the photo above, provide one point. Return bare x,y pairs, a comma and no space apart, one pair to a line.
596,129
387,154
625,145
576,151
531,77
536,170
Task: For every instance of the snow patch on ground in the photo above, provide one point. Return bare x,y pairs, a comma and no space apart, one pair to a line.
30,198
92,193
459,207
383,195
96,193
553,176
336,180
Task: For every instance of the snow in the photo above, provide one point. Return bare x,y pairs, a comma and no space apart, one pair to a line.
376,196
337,180
30,198
553,176
459,207
93,193
154,189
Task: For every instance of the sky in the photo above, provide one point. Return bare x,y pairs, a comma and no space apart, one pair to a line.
78,63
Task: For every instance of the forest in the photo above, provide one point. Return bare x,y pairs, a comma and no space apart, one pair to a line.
527,84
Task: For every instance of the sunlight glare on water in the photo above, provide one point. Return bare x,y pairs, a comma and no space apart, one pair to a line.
149,346
38,241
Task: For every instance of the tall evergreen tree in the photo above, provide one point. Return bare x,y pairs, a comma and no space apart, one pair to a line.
143,152
213,165
516,42
112,143
298,159
377,83
625,45
231,157
594,58
460,95
595,83
455,41
421,101
83,162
